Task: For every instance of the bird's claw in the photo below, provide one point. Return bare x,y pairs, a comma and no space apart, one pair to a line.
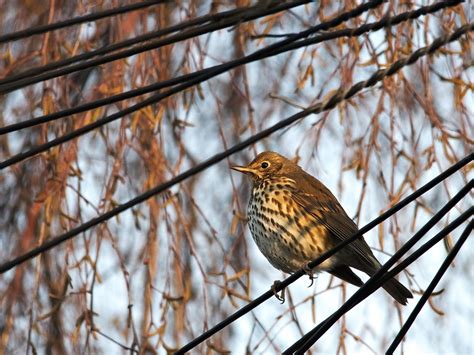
308,271
280,297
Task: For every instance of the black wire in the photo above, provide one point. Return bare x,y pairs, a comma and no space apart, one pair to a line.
259,11
331,103
77,20
122,44
452,254
273,49
371,285
45,72
196,79
265,52
289,280
235,13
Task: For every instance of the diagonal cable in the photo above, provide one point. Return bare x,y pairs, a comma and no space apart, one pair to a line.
42,73
4,88
332,101
273,49
452,254
295,276
212,23
122,44
78,20
193,32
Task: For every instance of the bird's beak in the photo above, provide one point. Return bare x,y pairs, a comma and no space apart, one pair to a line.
243,169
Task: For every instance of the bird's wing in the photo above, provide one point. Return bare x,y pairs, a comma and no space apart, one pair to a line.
318,201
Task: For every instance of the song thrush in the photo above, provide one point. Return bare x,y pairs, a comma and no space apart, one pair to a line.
294,218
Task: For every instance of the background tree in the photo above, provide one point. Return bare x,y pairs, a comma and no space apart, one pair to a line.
157,275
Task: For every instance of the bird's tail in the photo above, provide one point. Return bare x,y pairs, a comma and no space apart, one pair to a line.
394,288
399,292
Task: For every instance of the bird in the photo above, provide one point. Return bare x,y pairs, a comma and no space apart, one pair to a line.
294,218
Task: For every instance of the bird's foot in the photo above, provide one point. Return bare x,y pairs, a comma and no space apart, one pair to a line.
280,297
308,271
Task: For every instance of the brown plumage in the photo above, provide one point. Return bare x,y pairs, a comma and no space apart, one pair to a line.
294,218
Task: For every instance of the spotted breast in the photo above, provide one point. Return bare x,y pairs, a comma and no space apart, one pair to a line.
287,236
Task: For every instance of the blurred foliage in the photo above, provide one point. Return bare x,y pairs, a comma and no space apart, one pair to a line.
159,274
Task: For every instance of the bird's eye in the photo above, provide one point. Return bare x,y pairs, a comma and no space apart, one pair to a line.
265,165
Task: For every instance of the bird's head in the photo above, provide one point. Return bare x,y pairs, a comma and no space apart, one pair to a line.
266,165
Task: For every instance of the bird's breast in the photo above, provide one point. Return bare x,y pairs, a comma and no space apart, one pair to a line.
284,232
